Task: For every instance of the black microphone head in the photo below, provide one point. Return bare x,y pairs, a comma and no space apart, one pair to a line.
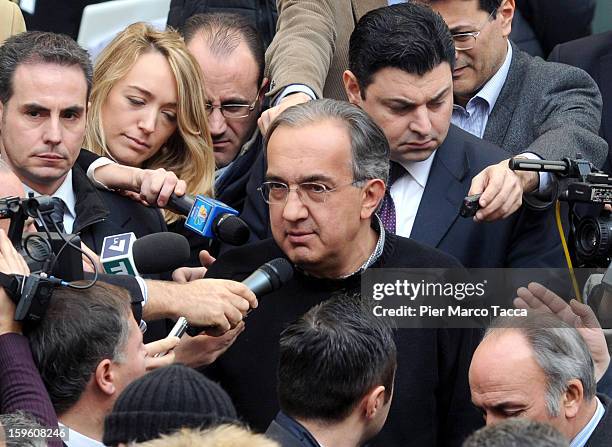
231,229
279,270
160,252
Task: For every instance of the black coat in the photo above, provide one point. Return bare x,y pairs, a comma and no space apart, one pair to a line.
431,404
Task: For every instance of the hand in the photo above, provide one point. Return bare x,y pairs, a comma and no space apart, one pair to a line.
10,262
576,314
156,186
188,274
501,189
88,265
165,349
269,115
204,349
216,304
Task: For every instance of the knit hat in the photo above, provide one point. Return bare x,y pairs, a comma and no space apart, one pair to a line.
165,400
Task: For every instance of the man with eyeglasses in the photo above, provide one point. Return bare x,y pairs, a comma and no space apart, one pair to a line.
327,166
230,53
520,103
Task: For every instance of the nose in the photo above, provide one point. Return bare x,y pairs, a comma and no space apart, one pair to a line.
53,131
147,120
421,123
294,209
216,122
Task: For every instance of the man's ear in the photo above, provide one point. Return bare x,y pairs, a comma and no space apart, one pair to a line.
374,401
1,114
373,193
506,11
352,88
573,398
263,88
104,377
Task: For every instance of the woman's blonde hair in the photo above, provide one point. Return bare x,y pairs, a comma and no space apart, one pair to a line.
188,152
220,436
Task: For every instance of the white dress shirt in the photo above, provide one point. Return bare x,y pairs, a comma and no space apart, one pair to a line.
407,192
66,193
76,439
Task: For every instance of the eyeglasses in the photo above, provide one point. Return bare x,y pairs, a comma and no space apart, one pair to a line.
233,111
466,41
276,193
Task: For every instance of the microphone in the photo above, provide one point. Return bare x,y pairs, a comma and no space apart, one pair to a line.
123,254
267,278
211,218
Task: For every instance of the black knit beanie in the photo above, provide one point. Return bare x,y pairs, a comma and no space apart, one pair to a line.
165,400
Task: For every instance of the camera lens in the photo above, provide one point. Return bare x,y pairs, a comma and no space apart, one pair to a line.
593,240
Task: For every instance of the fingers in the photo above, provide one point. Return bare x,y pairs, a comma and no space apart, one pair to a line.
158,185
10,260
206,259
586,314
502,192
244,293
184,275
269,115
161,346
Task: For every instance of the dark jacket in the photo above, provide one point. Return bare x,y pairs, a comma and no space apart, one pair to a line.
261,13
431,404
602,436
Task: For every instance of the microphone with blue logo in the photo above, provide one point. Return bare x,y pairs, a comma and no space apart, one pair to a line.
124,254
210,218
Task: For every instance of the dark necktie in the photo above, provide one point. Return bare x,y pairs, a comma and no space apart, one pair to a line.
56,215
387,209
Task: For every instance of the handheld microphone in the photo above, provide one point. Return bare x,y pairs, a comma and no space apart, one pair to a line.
123,254
211,218
267,278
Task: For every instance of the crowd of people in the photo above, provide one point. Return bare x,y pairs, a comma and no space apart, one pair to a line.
381,117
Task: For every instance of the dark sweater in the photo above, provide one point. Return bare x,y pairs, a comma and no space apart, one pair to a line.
431,404
21,388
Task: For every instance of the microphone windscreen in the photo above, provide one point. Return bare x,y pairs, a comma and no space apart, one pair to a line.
279,270
231,229
160,252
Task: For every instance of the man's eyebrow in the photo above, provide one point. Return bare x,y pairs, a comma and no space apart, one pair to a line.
74,109
463,28
34,106
306,179
399,101
440,95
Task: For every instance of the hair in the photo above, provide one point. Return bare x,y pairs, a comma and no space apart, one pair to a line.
79,330
558,349
222,436
31,433
188,152
485,5
408,36
517,432
369,145
332,357
223,32
36,47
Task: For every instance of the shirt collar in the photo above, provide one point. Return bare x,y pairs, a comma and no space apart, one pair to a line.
76,439
64,192
583,436
493,87
419,170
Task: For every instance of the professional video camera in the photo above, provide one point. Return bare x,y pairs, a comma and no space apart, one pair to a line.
48,254
590,225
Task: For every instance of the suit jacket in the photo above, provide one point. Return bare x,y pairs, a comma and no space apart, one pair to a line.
594,55
11,20
549,109
527,238
311,44
603,432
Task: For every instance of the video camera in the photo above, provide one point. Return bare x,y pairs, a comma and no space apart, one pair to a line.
590,225
49,255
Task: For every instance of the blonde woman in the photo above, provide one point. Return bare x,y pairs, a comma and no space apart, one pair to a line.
148,110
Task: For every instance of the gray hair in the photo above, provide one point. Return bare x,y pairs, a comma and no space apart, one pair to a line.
35,47
21,430
559,350
369,145
517,432
80,329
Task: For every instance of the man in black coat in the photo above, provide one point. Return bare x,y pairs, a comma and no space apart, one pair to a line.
327,168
